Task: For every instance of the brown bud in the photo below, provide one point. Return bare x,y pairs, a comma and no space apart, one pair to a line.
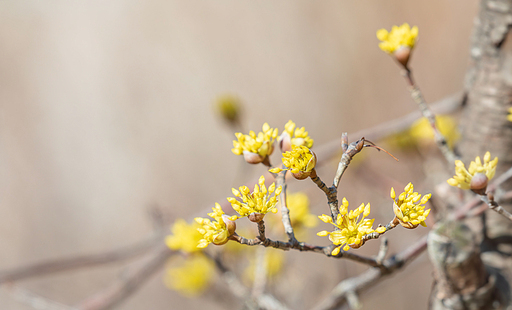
479,183
402,55
253,158
256,217
230,225
301,175
285,142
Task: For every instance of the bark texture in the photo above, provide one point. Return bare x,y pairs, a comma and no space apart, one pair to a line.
466,277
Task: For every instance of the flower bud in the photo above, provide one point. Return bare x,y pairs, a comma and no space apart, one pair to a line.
479,183
402,55
253,158
230,225
285,142
256,217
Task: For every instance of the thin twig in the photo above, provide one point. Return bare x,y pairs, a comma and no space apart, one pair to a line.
304,247
417,96
285,212
493,205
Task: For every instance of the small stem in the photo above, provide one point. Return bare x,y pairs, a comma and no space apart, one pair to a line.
417,96
285,212
261,230
493,205
330,192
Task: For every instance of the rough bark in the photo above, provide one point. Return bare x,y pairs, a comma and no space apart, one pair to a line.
484,127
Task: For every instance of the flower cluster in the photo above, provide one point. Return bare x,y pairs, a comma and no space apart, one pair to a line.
351,228
185,237
255,147
300,161
294,136
399,41
256,204
191,276
407,210
477,176
217,231
399,36
509,116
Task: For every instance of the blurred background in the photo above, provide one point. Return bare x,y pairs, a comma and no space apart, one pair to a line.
106,110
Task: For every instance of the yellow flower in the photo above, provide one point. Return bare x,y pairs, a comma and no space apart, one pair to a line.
422,132
192,275
298,204
273,260
478,174
294,136
228,106
300,161
217,231
399,36
255,204
185,237
351,228
509,116
255,147
407,210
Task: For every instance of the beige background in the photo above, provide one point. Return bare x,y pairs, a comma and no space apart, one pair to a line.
106,110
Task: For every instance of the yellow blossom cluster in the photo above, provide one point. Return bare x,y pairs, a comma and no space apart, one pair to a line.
295,136
399,36
300,161
255,147
217,231
259,202
407,210
184,237
190,276
509,116
351,228
478,174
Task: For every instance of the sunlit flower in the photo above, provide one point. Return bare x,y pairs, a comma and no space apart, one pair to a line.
273,260
399,41
228,106
185,237
351,227
509,116
298,204
255,147
191,276
300,161
477,176
294,136
407,210
256,204
217,231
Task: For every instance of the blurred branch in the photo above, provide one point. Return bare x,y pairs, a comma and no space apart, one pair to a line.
237,288
82,261
35,301
123,288
351,286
